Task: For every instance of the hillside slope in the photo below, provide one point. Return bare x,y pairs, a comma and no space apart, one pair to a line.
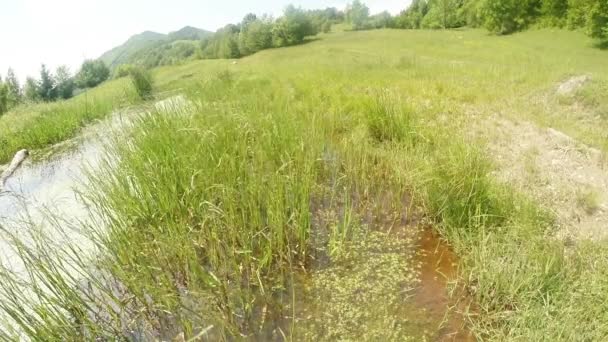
149,42
122,53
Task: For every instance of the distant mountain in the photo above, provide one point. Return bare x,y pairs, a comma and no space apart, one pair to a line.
148,41
120,54
189,33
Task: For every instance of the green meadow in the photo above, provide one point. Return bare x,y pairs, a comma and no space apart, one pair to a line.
282,199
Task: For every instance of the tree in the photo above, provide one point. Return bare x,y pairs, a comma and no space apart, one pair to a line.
292,28
449,13
3,98
248,19
323,19
412,17
443,14
13,88
255,36
357,14
92,73
507,16
471,13
229,47
64,82
589,14
223,44
30,90
554,8
381,20
46,86
597,20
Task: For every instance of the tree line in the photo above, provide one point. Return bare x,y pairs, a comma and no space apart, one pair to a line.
255,33
50,86
498,16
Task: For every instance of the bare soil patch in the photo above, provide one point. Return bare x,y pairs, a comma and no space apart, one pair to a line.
567,177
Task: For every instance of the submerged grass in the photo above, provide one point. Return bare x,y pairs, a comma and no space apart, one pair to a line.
207,212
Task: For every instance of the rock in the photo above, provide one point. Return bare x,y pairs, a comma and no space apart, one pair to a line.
179,338
13,166
572,84
561,137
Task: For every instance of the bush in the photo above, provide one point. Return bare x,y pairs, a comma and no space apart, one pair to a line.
92,73
326,28
592,15
443,14
3,98
597,22
255,36
123,70
508,16
142,81
292,28
357,15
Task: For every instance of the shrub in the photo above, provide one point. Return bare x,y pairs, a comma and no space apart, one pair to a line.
92,73
142,81
357,14
3,98
123,70
508,16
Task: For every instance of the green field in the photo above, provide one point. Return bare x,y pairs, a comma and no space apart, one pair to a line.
284,200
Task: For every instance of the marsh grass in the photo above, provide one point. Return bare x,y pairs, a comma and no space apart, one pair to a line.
142,81
207,211
388,120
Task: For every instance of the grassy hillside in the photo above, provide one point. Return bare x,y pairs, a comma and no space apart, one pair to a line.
135,49
284,199
122,53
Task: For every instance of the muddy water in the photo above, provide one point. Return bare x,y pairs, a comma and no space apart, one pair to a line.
439,266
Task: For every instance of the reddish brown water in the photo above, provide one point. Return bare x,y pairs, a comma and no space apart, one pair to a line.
439,265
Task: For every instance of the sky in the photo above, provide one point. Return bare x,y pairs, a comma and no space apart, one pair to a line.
65,32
